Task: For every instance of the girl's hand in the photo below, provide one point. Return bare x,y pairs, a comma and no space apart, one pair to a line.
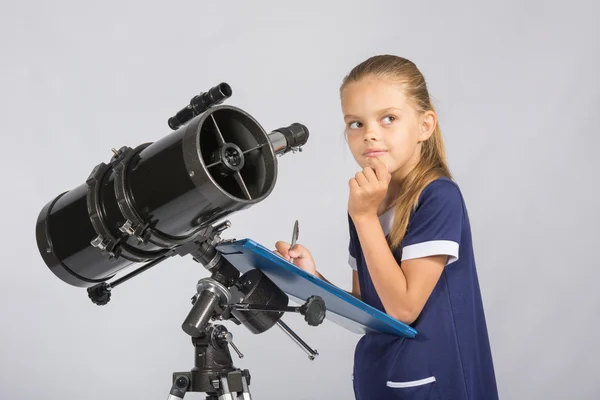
368,189
302,257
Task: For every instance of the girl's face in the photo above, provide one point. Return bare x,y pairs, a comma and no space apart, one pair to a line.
381,122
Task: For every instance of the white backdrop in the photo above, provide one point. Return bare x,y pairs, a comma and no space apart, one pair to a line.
517,88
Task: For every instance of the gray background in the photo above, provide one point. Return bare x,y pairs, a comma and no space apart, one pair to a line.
516,84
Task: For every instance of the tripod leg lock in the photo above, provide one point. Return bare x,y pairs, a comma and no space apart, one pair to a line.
179,388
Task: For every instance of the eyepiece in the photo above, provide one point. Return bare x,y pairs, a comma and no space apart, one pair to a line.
296,134
288,138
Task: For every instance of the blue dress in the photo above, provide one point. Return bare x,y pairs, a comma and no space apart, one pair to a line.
450,358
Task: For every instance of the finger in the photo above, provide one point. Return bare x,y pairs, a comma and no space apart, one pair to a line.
353,185
381,170
282,248
298,251
369,173
361,179
378,167
281,245
281,255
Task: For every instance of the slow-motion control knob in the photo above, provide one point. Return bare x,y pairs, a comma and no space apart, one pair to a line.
313,310
99,294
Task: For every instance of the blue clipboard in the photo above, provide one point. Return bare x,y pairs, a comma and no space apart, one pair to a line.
342,308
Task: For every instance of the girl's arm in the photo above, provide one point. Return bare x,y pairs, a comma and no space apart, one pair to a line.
403,289
433,235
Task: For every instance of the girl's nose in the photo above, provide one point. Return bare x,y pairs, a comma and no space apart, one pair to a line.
371,136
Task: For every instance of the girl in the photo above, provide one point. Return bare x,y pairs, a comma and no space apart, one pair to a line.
410,244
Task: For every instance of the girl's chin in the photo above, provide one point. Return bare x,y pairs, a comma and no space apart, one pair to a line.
366,162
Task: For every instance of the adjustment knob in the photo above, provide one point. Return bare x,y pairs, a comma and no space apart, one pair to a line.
99,294
313,310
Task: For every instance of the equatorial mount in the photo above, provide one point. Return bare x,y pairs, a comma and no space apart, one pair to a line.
251,299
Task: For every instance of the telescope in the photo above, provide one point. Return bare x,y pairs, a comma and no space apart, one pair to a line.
171,197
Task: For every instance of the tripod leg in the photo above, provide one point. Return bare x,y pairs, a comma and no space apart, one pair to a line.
245,395
179,388
224,393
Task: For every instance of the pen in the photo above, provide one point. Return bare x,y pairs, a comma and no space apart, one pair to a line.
295,234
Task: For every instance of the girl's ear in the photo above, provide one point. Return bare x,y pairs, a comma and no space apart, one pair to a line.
427,124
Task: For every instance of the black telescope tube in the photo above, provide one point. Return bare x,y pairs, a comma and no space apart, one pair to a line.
151,199
174,186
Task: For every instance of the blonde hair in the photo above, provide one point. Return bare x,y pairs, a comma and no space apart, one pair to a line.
432,163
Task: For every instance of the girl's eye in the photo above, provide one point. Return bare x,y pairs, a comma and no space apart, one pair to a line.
391,117
353,126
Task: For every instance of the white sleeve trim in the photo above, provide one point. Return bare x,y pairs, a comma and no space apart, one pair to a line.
431,248
352,262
